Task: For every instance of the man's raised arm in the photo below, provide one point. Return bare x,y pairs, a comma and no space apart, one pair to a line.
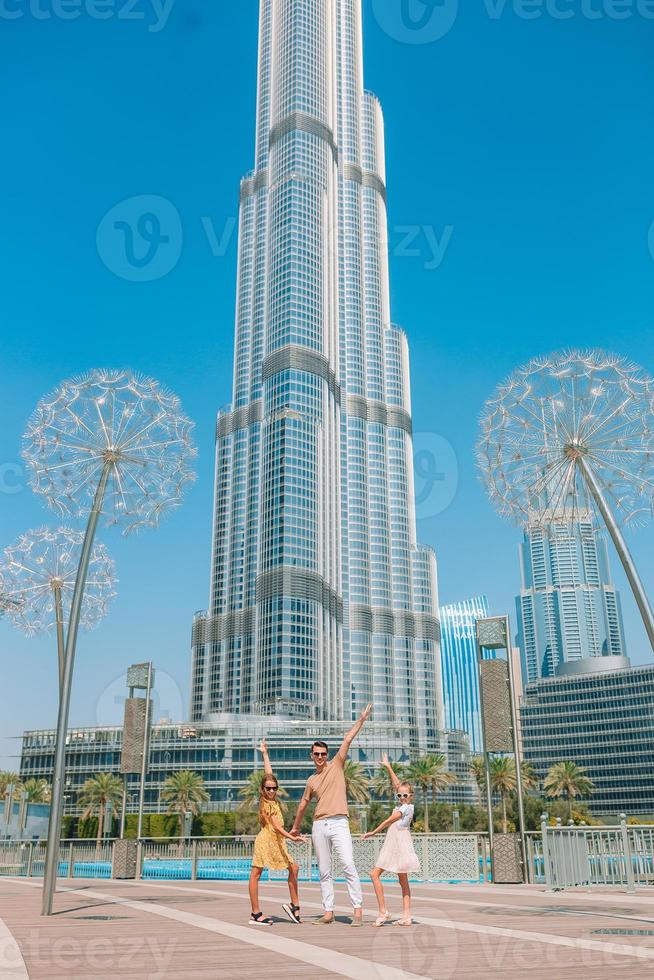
352,734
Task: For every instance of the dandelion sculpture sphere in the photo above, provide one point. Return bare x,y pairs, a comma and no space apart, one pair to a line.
116,425
37,578
570,432
109,444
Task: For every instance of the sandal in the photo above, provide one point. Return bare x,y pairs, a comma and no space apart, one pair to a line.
258,919
403,922
381,920
293,912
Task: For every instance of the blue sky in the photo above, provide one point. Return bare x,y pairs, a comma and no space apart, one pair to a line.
520,161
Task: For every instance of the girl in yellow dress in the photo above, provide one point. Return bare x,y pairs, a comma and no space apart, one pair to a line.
269,848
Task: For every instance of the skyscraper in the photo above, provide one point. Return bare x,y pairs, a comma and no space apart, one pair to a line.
459,671
321,600
568,608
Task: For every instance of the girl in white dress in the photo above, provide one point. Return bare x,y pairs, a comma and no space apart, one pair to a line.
397,854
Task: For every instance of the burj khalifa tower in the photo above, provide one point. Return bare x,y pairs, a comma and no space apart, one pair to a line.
321,600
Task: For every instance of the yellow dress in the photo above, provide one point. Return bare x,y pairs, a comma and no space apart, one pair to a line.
269,846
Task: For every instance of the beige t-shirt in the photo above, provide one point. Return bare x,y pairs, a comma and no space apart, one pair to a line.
328,787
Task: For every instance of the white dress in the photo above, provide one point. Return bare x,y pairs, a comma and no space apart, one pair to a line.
397,854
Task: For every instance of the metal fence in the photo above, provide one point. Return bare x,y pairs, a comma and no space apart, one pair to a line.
444,858
560,857
621,856
77,859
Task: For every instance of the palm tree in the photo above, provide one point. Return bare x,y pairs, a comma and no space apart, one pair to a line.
357,784
503,781
96,793
478,770
568,780
431,774
382,785
250,794
529,777
37,791
184,792
7,780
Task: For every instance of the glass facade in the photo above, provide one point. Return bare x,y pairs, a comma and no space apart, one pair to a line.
568,609
321,600
602,720
459,672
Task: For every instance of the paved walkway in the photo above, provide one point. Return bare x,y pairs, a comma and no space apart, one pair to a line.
198,931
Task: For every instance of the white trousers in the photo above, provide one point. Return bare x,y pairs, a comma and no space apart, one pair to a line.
332,835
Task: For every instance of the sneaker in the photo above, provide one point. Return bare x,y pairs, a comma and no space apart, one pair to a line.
293,912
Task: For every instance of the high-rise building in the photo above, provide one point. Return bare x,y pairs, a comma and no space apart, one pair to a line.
598,714
568,609
459,671
321,599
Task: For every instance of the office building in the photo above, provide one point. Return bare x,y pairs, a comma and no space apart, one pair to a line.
568,608
599,713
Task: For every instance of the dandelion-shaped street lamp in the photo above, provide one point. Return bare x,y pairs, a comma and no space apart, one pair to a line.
37,579
569,433
108,444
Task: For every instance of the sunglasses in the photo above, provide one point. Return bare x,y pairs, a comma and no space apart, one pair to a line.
270,789
403,796
320,755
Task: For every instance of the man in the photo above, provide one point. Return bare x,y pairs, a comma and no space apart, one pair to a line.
331,827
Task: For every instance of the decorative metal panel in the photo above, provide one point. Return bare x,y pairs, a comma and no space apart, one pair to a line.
498,728
137,676
133,735
451,858
442,858
491,633
125,855
507,860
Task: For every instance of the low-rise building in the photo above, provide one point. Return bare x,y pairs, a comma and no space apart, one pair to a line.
225,755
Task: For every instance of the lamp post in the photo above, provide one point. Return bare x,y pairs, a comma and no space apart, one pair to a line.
113,445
